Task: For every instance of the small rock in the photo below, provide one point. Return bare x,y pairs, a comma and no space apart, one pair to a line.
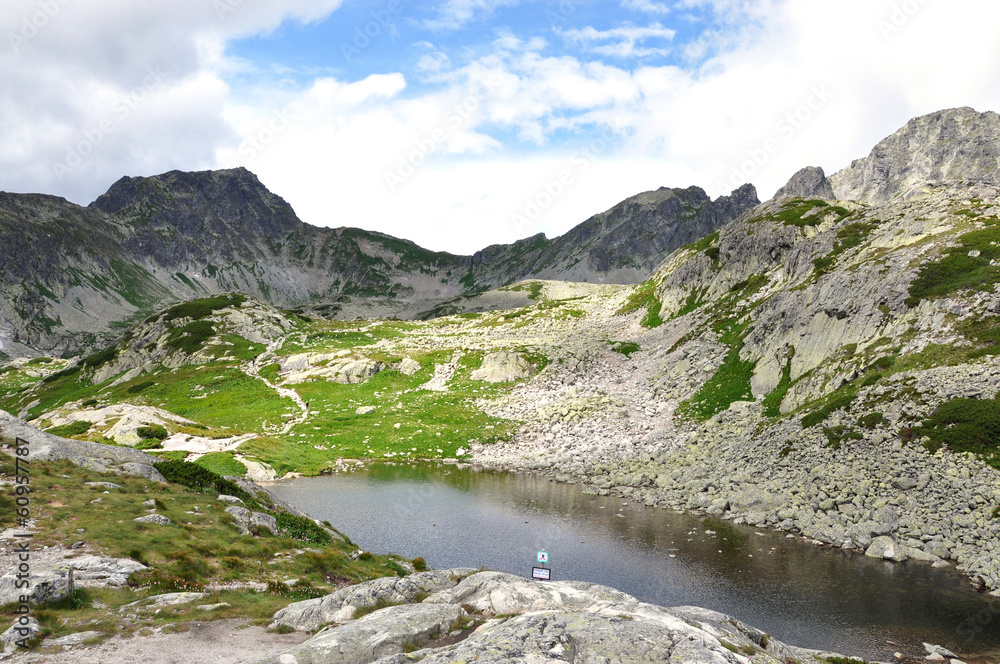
212,607
229,499
158,519
18,631
105,485
72,639
157,601
365,410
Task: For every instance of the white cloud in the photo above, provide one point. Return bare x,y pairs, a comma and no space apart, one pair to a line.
646,6
91,90
621,42
786,83
455,14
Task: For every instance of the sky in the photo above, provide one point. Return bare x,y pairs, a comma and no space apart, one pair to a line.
463,123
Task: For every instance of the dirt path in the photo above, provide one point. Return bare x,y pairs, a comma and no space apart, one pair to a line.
218,642
442,374
252,369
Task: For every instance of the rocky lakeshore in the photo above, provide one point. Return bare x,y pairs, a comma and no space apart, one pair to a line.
877,494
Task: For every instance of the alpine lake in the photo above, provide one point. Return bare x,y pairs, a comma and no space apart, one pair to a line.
807,595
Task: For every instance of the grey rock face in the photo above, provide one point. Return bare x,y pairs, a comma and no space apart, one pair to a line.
95,456
44,585
217,223
18,631
552,622
810,182
946,146
157,601
380,634
247,520
115,571
502,367
341,605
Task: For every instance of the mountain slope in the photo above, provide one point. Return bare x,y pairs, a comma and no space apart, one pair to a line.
72,274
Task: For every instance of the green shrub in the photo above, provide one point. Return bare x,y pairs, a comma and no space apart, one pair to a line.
222,463
644,296
195,477
140,386
772,402
872,420
152,431
419,564
192,337
956,270
793,211
62,373
149,444
966,425
301,528
198,309
101,357
730,383
837,401
626,348
71,429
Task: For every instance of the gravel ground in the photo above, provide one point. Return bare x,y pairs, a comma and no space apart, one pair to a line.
219,642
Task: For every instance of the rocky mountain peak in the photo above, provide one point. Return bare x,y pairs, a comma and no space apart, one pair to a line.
810,182
953,145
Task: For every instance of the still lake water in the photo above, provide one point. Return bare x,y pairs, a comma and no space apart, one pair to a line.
809,596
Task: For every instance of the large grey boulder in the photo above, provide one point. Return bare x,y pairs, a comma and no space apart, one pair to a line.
247,520
23,629
534,623
45,584
502,367
340,606
499,593
113,571
159,601
810,182
886,548
383,633
44,446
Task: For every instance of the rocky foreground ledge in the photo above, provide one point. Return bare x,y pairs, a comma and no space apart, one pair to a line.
463,615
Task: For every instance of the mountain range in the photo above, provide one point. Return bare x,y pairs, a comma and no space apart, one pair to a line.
72,277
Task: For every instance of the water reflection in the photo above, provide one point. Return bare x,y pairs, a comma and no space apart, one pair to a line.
806,595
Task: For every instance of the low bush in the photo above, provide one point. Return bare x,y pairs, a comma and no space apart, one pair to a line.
155,431
196,477
966,425
837,401
71,429
301,528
